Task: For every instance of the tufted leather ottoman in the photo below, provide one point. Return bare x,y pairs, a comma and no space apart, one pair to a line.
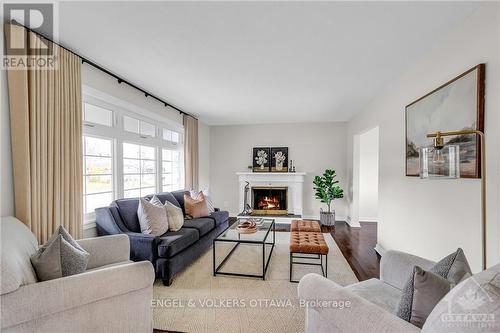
310,246
305,226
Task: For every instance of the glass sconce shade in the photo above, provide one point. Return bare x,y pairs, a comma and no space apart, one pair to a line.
440,163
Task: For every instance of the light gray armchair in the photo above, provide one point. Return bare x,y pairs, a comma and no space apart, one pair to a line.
373,303
113,295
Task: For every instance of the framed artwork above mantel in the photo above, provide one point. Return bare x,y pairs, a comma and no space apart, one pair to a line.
456,105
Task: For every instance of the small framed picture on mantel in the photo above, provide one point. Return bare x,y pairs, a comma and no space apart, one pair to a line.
261,158
279,159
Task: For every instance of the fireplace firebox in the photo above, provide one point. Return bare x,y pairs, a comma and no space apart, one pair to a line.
269,200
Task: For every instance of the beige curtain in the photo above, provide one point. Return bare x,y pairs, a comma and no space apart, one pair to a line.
46,131
190,152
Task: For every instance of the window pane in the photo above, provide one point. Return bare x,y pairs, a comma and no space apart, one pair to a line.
148,129
96,184
132,193
147,191
166,179
131,150
130,124
98,165
131,166
148,166
167,135
175,137
97,115
175,156
168,188
148,152
166,155
131,181
97,146
148,180
166,167
94,201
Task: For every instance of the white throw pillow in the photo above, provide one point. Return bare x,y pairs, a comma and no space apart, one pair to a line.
175,216
152,216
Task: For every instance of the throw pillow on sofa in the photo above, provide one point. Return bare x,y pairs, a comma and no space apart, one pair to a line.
60,256
152,216
175,216
453,268
421,294
195,207
208,198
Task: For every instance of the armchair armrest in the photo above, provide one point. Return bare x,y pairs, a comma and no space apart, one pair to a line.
396,267
49,297
143,246
106,250
359,315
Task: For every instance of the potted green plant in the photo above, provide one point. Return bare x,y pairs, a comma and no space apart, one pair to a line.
327,190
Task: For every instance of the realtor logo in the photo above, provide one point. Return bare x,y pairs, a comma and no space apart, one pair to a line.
28,51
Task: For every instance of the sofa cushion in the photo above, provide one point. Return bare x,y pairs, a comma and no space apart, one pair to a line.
378,293
219,217
18,244
202,224
175,216
173,242
128,213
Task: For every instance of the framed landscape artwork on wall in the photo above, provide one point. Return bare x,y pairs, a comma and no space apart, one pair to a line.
261,159
456,105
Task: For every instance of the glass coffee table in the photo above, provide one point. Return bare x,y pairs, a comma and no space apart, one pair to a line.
264,236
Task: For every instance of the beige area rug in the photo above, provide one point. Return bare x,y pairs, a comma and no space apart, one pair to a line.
199,302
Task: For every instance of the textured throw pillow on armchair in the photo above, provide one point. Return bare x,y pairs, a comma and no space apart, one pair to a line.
196,207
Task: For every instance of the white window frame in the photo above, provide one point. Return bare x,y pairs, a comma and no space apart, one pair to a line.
120,136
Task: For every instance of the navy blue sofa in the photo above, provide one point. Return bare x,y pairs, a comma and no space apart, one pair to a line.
171,252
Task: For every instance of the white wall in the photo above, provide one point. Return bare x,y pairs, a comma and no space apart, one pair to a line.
313,147
203,155
433,218
368,175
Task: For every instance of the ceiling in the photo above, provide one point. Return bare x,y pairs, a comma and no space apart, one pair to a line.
259,62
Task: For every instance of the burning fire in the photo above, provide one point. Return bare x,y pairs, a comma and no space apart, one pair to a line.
268,203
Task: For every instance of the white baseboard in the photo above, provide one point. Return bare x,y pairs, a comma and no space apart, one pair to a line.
368,219
352,224
380,250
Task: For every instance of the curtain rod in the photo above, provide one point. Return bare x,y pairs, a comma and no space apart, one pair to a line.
102,69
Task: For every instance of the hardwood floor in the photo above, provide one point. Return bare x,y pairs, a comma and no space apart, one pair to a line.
357,246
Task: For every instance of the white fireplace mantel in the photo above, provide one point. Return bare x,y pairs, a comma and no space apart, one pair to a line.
292,180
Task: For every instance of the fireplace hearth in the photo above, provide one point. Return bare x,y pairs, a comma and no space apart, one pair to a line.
269,200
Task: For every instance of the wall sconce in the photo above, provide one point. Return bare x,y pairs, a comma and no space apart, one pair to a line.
442,161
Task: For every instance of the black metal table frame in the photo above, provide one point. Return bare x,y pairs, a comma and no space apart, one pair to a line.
265,263
312,256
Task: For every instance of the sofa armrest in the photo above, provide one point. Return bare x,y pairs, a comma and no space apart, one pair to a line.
45,298
396,267
143,246
106,250
331,308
